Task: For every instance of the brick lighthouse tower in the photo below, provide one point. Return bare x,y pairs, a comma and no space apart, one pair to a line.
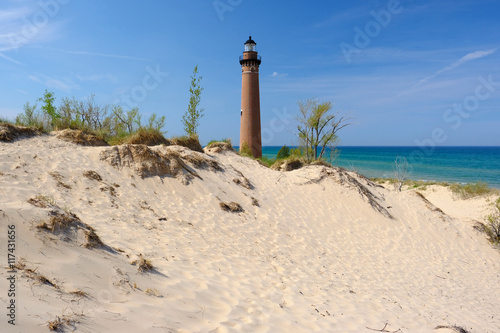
250,134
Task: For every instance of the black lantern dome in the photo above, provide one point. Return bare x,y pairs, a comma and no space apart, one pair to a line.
250,45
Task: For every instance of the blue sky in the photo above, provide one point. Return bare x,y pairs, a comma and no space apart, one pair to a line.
407,72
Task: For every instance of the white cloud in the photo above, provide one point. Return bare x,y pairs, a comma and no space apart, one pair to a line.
28,24
97,78
97,54
65,85
277,75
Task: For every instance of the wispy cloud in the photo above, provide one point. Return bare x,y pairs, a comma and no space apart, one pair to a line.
20,25
98,54
9,59
278,75
347,15
466,58
98,77
65,85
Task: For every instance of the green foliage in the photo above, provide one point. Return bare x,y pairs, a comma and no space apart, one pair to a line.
492,227
284,152
156,123
109,123
191,119
318,128
296,152
226,140
245,150
470,190
30,117
266,161
48,107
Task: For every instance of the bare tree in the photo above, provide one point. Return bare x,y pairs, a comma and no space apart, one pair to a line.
318,128
402,170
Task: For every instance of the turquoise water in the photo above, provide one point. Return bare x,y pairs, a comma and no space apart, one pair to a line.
451,164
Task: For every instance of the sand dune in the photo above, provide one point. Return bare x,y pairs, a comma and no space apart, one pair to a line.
314,250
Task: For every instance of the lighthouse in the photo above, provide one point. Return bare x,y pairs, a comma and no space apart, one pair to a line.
250,134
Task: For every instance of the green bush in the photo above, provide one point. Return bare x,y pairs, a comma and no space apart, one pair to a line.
245,150
284,152
470,190
492,227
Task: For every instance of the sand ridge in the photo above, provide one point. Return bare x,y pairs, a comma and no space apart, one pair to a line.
309,252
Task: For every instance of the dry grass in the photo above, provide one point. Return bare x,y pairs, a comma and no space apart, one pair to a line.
429,204
143,264
200,161
42,201
34,275
92,175
79,293
492,227
63,222
60,323
255,202
219,146
148,137
9,132
289,164
191,142
152,292
92,240
80,137
58,222
457,329
231,207
471,190
59,179
143,160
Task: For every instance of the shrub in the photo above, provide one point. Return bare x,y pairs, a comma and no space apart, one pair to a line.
492,227
225,140
30,117
146,136
266,161
470,190
143,264
192,142
284,152
245,150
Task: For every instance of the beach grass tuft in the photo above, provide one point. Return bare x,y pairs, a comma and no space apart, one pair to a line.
143,264
471,190
233,207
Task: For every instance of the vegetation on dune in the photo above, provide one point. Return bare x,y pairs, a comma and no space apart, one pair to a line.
318,128
470,190
492,227
191,119
108,123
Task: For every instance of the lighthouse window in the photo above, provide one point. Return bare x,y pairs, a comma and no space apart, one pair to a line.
249,47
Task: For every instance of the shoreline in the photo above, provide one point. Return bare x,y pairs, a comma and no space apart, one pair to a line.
445,164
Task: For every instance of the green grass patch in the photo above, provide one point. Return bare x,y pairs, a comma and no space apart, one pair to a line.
471,190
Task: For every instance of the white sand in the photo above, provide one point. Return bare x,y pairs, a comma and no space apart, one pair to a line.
314,257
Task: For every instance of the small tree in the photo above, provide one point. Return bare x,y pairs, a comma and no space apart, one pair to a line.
191,119
318,128
49,108
402,169
284,152
30,117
